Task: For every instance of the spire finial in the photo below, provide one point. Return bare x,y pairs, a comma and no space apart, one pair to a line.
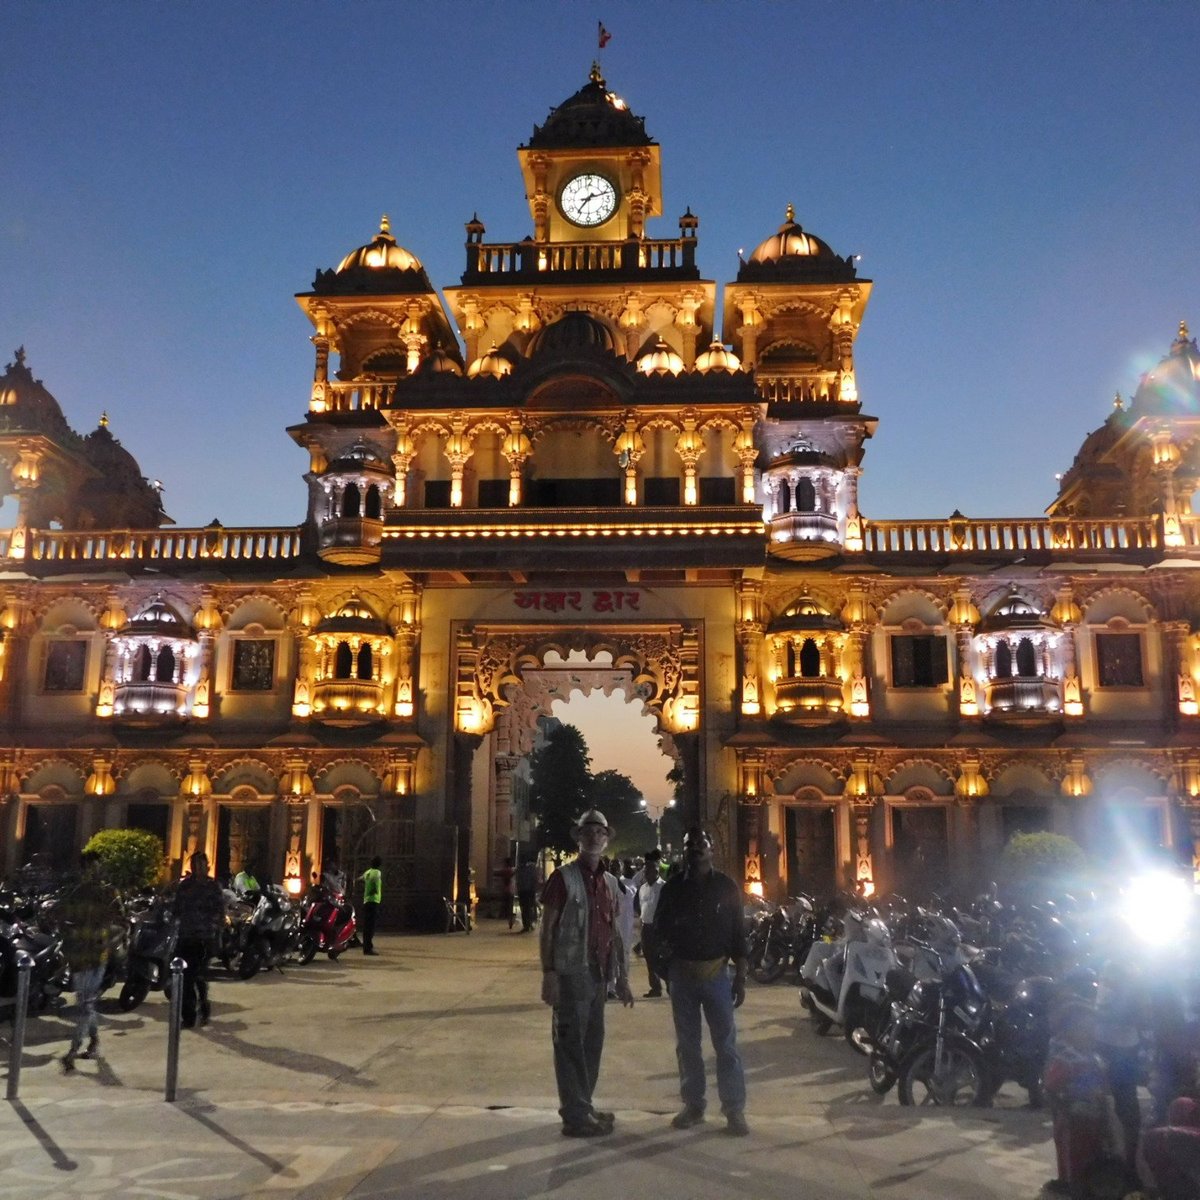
104,420
596,76
1183,330
20,356
385,226
791,213
1118,402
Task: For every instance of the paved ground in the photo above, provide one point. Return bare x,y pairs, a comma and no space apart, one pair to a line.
426,1073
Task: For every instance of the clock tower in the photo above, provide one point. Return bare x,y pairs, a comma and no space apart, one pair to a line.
591,171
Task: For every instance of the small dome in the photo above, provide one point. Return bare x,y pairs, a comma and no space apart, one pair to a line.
381,254
573,331
790,241
159,619
25,402
493,364
354,616
357,459
718,358
802,453
439,362
1015,612
805,612
1173,386
662,360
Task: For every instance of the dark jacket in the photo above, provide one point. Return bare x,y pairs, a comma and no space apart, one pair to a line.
701,919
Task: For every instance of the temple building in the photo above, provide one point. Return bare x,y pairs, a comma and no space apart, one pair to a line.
591,468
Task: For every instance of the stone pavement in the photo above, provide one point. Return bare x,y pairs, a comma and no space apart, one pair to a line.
426,1073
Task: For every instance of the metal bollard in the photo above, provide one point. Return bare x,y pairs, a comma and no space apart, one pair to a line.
24,966
174,1015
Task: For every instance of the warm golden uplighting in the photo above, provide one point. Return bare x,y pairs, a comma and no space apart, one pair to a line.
1187,696
293,884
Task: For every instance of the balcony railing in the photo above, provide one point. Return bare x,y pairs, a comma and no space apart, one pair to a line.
159,545
806,700
357,396
1033,535
675,257
1023,699
822,389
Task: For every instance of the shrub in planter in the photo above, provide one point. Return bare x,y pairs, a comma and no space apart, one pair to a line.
1041,861
130,859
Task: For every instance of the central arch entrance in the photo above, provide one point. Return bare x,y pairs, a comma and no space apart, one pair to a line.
507,677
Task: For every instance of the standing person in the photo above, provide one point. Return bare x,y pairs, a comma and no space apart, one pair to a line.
1077,1089
200,907
626,917
647,898
507,874
372,881
245,883
699,917
527,885
581,950
86,916
1118,1044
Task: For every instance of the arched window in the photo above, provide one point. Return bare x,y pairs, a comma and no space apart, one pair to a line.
351,501
1003,660
1026,658
142,664
343,661
789,666
364,661
164,669
374,508
806,495
810,660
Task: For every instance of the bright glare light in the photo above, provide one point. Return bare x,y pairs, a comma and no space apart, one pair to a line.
1157,906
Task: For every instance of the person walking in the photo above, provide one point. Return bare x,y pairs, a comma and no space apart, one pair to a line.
199,907
507,875
372,881
527,886
86,917
699,920
647,902
581,950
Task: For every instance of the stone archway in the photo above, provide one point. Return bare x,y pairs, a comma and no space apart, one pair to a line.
508,676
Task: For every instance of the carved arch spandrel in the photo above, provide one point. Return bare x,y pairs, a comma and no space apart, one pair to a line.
663,663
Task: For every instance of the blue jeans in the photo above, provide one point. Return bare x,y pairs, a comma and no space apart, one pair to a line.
713,998
86,984
578,1032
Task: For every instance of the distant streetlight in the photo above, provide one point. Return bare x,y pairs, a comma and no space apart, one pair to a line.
655,812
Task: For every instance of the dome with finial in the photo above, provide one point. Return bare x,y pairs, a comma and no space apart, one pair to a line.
792,253
439,361
662,360
1173,386
25,404
593,116
493,364
119,494
718,358
381,254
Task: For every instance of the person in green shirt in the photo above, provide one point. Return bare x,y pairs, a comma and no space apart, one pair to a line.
372,881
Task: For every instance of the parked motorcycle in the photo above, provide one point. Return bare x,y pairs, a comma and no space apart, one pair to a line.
782,939
328,925
50,974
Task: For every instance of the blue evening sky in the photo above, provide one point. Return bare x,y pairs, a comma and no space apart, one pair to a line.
1021,180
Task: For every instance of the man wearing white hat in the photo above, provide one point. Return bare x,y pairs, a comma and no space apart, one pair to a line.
581,953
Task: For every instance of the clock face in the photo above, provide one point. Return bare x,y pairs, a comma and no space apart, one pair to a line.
588,200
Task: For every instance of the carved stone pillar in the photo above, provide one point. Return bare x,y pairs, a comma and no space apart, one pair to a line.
750,630
516,450
458,450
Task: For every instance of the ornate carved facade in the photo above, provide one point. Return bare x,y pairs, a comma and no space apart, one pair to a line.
571,460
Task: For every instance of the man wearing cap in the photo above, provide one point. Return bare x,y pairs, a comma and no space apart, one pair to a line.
699,917
581,953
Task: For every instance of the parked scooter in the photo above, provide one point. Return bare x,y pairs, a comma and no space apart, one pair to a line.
844,983
272,934
328,925
154,933
50,975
